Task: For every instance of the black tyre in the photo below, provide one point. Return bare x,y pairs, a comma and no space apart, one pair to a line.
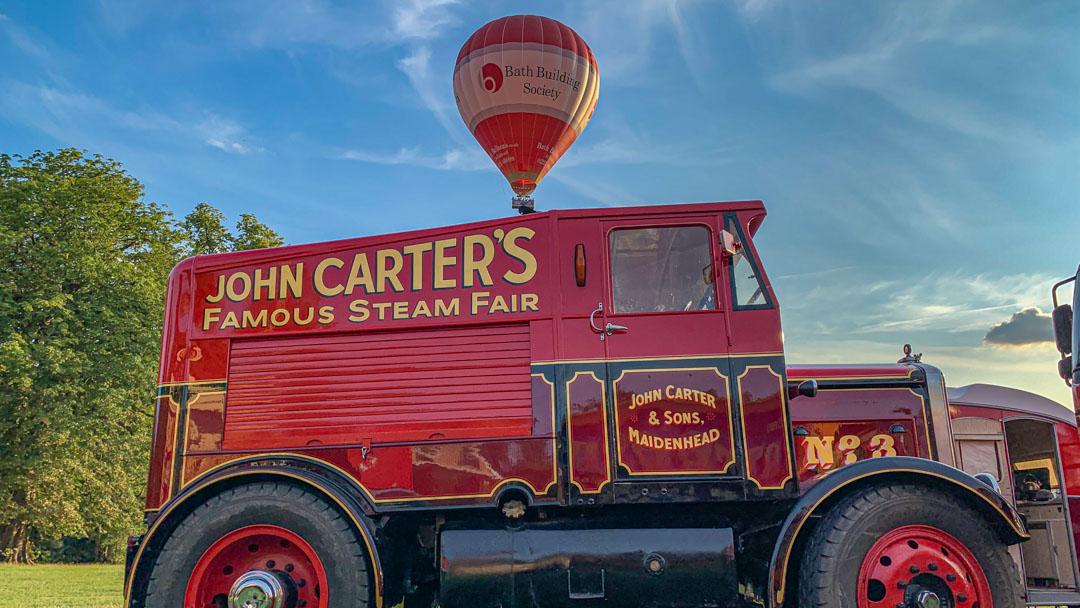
311,550
887,546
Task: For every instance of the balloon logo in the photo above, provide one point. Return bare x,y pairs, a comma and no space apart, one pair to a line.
491,77
526,87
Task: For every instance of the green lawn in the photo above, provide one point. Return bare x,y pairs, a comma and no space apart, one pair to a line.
91,586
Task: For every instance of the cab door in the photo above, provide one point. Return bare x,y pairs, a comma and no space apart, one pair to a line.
666,342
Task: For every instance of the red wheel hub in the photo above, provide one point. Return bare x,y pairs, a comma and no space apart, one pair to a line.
922,567
269,549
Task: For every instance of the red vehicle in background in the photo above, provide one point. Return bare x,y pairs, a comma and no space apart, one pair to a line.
571,408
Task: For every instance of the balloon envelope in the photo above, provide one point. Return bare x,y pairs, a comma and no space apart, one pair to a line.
525,86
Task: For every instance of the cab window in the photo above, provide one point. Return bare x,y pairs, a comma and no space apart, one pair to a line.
661,269
747,288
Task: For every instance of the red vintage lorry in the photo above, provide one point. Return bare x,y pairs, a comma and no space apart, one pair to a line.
569,408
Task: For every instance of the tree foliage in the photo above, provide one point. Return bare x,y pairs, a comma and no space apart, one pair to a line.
207,233
83,268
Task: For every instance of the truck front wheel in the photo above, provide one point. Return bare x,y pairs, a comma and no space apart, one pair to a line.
261,544
907,546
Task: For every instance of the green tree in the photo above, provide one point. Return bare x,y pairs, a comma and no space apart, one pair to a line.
82,286
253,234
206,231
83,268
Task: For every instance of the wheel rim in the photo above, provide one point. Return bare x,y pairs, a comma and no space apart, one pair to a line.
922,567
258,567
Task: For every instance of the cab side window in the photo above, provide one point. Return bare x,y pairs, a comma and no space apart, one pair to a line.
747,288
661,269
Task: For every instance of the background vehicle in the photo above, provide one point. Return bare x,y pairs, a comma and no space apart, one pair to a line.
565,408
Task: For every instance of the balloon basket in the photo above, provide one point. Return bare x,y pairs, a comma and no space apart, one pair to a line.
523,204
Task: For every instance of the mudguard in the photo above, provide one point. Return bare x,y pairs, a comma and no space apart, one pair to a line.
306,473
997,509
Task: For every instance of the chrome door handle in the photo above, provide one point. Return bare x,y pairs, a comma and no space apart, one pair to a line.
612,328
592,321
608,329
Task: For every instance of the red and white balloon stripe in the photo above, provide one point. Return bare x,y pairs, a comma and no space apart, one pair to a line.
526,86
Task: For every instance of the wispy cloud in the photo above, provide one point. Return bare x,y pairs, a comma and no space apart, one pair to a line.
455,159
226,135
76,118
625,33
754,10
887,58
432,90
423,19
21,40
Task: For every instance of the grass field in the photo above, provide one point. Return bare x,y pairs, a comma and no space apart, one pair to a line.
64,586
91,586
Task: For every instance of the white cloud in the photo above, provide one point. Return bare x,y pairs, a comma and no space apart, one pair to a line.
77,118
225,135
754,10
455,159
423,19
624,32
432,90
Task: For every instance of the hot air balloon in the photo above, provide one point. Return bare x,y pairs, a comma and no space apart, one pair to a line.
526,86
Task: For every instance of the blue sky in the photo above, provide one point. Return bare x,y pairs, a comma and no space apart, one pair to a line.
920,160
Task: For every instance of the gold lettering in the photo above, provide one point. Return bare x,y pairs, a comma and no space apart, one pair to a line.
416,259
499,305
210,315
390,273
360,311
847,446
447,309
215,298
401,310
230,321
326,315
479,298
266,283
421,310
245,284
819,452
360,274
250,320
442,261
297,319
320,284
530,301
882,445
512,249
477,267
291,280
279,320
381,307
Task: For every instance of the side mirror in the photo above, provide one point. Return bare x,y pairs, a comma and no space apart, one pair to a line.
1065,368
1063,328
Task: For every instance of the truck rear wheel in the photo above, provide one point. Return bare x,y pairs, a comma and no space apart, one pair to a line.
906,546
261,544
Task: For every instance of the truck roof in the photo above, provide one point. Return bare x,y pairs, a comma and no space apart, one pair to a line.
224,260
845,371
992,395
